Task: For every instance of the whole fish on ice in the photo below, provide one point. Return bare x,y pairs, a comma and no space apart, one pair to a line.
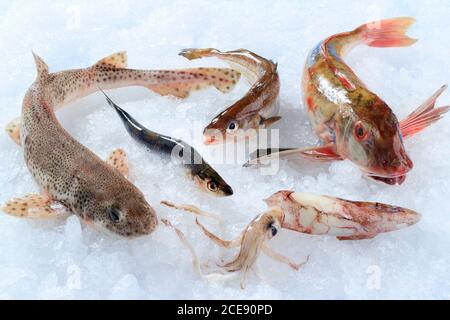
353,122
206,178
73,178
253,111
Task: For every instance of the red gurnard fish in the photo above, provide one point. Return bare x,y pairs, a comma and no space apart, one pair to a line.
353,122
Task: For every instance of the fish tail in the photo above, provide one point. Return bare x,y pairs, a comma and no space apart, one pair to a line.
386,33
424,115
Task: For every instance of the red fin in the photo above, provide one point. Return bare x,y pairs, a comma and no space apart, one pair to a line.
423,116
387,33
322,153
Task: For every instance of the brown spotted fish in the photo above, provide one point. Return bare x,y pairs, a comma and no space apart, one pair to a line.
253,111
71,177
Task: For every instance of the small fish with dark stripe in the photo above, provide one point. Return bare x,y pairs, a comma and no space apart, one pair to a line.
199,170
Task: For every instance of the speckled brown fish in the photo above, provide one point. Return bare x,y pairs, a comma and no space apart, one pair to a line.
205,177
253,111
73,178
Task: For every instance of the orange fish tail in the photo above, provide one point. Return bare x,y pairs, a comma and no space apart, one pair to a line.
387,33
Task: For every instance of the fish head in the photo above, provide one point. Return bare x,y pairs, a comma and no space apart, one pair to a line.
211,182
127,213
225,126
371,138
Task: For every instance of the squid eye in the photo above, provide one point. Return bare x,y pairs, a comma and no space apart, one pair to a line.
232,126
212,186
360,132
114,215
273,230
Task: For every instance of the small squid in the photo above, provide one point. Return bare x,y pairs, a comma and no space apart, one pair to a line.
310,214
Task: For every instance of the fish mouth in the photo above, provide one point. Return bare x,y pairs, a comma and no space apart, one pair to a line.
390,180
227,191
209,140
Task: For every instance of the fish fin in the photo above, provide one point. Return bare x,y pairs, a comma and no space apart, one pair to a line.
387,33
268,154
321,153
423,116
119,160
34,206
13,130
41,66
118,60
267,122
183,82
360,237
192,54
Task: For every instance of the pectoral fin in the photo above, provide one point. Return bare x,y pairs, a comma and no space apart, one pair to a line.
13,130
423,116
269,121
34,206
119,160
265,155
323,153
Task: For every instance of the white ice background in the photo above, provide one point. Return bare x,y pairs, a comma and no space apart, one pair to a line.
66,259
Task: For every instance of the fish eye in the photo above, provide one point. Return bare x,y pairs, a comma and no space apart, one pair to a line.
212,186
232,126
114,215
360,132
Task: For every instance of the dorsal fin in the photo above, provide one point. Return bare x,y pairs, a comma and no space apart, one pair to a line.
41,66
118,60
